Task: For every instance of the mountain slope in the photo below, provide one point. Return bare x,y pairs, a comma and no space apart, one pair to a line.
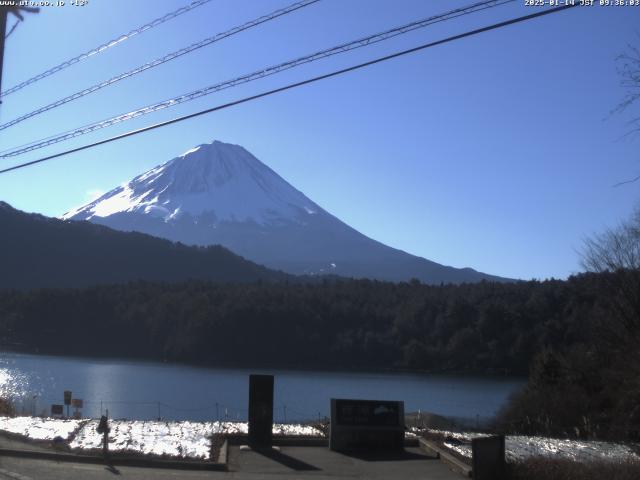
36,251
221,194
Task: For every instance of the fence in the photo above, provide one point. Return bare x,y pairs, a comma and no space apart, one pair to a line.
34,405
285,413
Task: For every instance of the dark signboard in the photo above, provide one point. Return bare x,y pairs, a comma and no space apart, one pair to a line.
67,397
366,425
260,410
488,458
56,409
76,402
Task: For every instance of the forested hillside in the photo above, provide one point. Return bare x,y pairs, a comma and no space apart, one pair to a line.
37,251
485,327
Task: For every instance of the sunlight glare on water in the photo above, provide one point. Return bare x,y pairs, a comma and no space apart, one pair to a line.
13,384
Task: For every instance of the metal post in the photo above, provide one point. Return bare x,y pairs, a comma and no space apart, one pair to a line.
104,423
217,413
105,444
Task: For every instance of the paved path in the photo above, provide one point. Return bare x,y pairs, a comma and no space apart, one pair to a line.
321,463
17,444
317,463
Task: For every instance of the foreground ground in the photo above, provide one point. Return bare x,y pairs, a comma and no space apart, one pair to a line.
290,462
187,439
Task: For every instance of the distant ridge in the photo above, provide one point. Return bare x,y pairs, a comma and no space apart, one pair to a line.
39,252
220,193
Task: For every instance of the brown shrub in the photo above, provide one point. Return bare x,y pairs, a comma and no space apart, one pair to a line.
6,408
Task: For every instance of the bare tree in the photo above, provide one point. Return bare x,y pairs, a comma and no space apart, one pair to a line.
628,66
615,249
615,254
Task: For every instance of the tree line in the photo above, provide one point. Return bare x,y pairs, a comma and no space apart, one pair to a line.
344,324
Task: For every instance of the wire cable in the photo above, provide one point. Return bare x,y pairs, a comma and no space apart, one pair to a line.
105,46
164,59
294,85
265,72
15,25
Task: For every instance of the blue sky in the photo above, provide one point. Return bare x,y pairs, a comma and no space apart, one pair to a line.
495,152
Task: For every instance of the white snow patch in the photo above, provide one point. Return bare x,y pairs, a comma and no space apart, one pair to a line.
297,430
175,214
520,447
185,439
152,174
192,150
156,211
121,201
176,439
39,428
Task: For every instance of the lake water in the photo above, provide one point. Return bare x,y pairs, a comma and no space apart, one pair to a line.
146,390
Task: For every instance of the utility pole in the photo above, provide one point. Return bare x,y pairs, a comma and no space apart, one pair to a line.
3,33
16,10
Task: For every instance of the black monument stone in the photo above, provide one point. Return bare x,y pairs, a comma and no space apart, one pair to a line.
260,410
488,458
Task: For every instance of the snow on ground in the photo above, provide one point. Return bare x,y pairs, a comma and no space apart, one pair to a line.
192,439
39,428
299,430
519,447
177,439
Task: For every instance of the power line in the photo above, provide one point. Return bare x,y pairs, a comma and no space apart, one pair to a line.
294,85
105,46
159,61
265,72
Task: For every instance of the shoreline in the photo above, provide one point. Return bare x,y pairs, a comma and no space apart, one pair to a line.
5,349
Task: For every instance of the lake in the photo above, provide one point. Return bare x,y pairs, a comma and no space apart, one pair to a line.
146,390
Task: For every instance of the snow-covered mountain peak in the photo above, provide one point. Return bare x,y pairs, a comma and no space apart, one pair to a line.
222,181
220,194
210,166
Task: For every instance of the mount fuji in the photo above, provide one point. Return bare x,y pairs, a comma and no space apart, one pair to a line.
220,193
